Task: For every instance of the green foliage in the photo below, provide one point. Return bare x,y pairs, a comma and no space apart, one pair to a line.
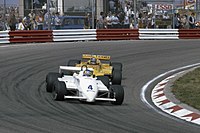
187,88
163,22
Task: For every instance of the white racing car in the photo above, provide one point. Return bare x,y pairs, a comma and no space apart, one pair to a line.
83,85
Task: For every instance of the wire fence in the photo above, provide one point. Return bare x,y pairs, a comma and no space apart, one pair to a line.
114,14
5,11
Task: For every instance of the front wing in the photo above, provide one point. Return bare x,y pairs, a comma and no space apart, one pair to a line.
84,98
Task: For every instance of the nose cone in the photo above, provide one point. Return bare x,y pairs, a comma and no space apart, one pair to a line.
89,89
91,97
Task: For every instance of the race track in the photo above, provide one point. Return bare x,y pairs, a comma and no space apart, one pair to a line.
26,107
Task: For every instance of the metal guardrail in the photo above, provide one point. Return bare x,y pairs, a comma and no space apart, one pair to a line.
158,34
30,36
74,35
117,34
4,37
93,34
189,33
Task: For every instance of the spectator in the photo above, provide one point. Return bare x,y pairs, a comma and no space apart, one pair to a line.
145,20
192,21
27,23
12,21
184,21
87,21
34,24
149,21
126,22
121,17
100,21
32,20
140,23
153,24
177,21
20,25
40,21
109,21
49,19
115,21
57,21
52,16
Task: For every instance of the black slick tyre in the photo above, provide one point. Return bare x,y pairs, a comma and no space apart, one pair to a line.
117,92
73,62
50,79
117,66
59,91
116,77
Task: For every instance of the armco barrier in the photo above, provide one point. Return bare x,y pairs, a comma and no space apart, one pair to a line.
30,36
74,35
93,34
4,37
117,34
189,33
158,34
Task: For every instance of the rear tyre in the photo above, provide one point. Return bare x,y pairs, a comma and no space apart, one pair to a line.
117,66
116,77
117,92
105,80
50,79
59,91
71,63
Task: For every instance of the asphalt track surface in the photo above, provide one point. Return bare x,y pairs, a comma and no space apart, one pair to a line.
26,107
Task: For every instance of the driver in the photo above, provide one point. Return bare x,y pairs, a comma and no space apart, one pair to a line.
87,73
93,61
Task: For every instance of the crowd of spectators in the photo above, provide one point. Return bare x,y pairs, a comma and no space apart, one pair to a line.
185,21
35,20
120,15
4,17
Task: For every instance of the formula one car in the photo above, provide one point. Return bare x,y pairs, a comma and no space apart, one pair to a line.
83,85
101,65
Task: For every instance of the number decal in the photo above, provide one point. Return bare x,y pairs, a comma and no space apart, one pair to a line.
90,87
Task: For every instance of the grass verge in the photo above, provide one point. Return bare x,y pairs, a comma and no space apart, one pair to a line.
187,88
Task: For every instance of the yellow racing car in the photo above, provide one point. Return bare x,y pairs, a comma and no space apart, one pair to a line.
102,66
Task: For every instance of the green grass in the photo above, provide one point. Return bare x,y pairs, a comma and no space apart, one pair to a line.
187,88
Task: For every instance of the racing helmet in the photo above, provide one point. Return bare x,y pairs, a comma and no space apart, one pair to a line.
87,73
93,61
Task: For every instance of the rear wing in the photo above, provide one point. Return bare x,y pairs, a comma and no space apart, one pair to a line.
100,57
73,69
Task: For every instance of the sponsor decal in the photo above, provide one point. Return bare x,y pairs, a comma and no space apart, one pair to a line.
164,6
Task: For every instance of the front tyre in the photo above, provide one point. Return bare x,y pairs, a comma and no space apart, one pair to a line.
117,92
50,79
59,91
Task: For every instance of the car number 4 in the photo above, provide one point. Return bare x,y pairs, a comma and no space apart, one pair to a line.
90,87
